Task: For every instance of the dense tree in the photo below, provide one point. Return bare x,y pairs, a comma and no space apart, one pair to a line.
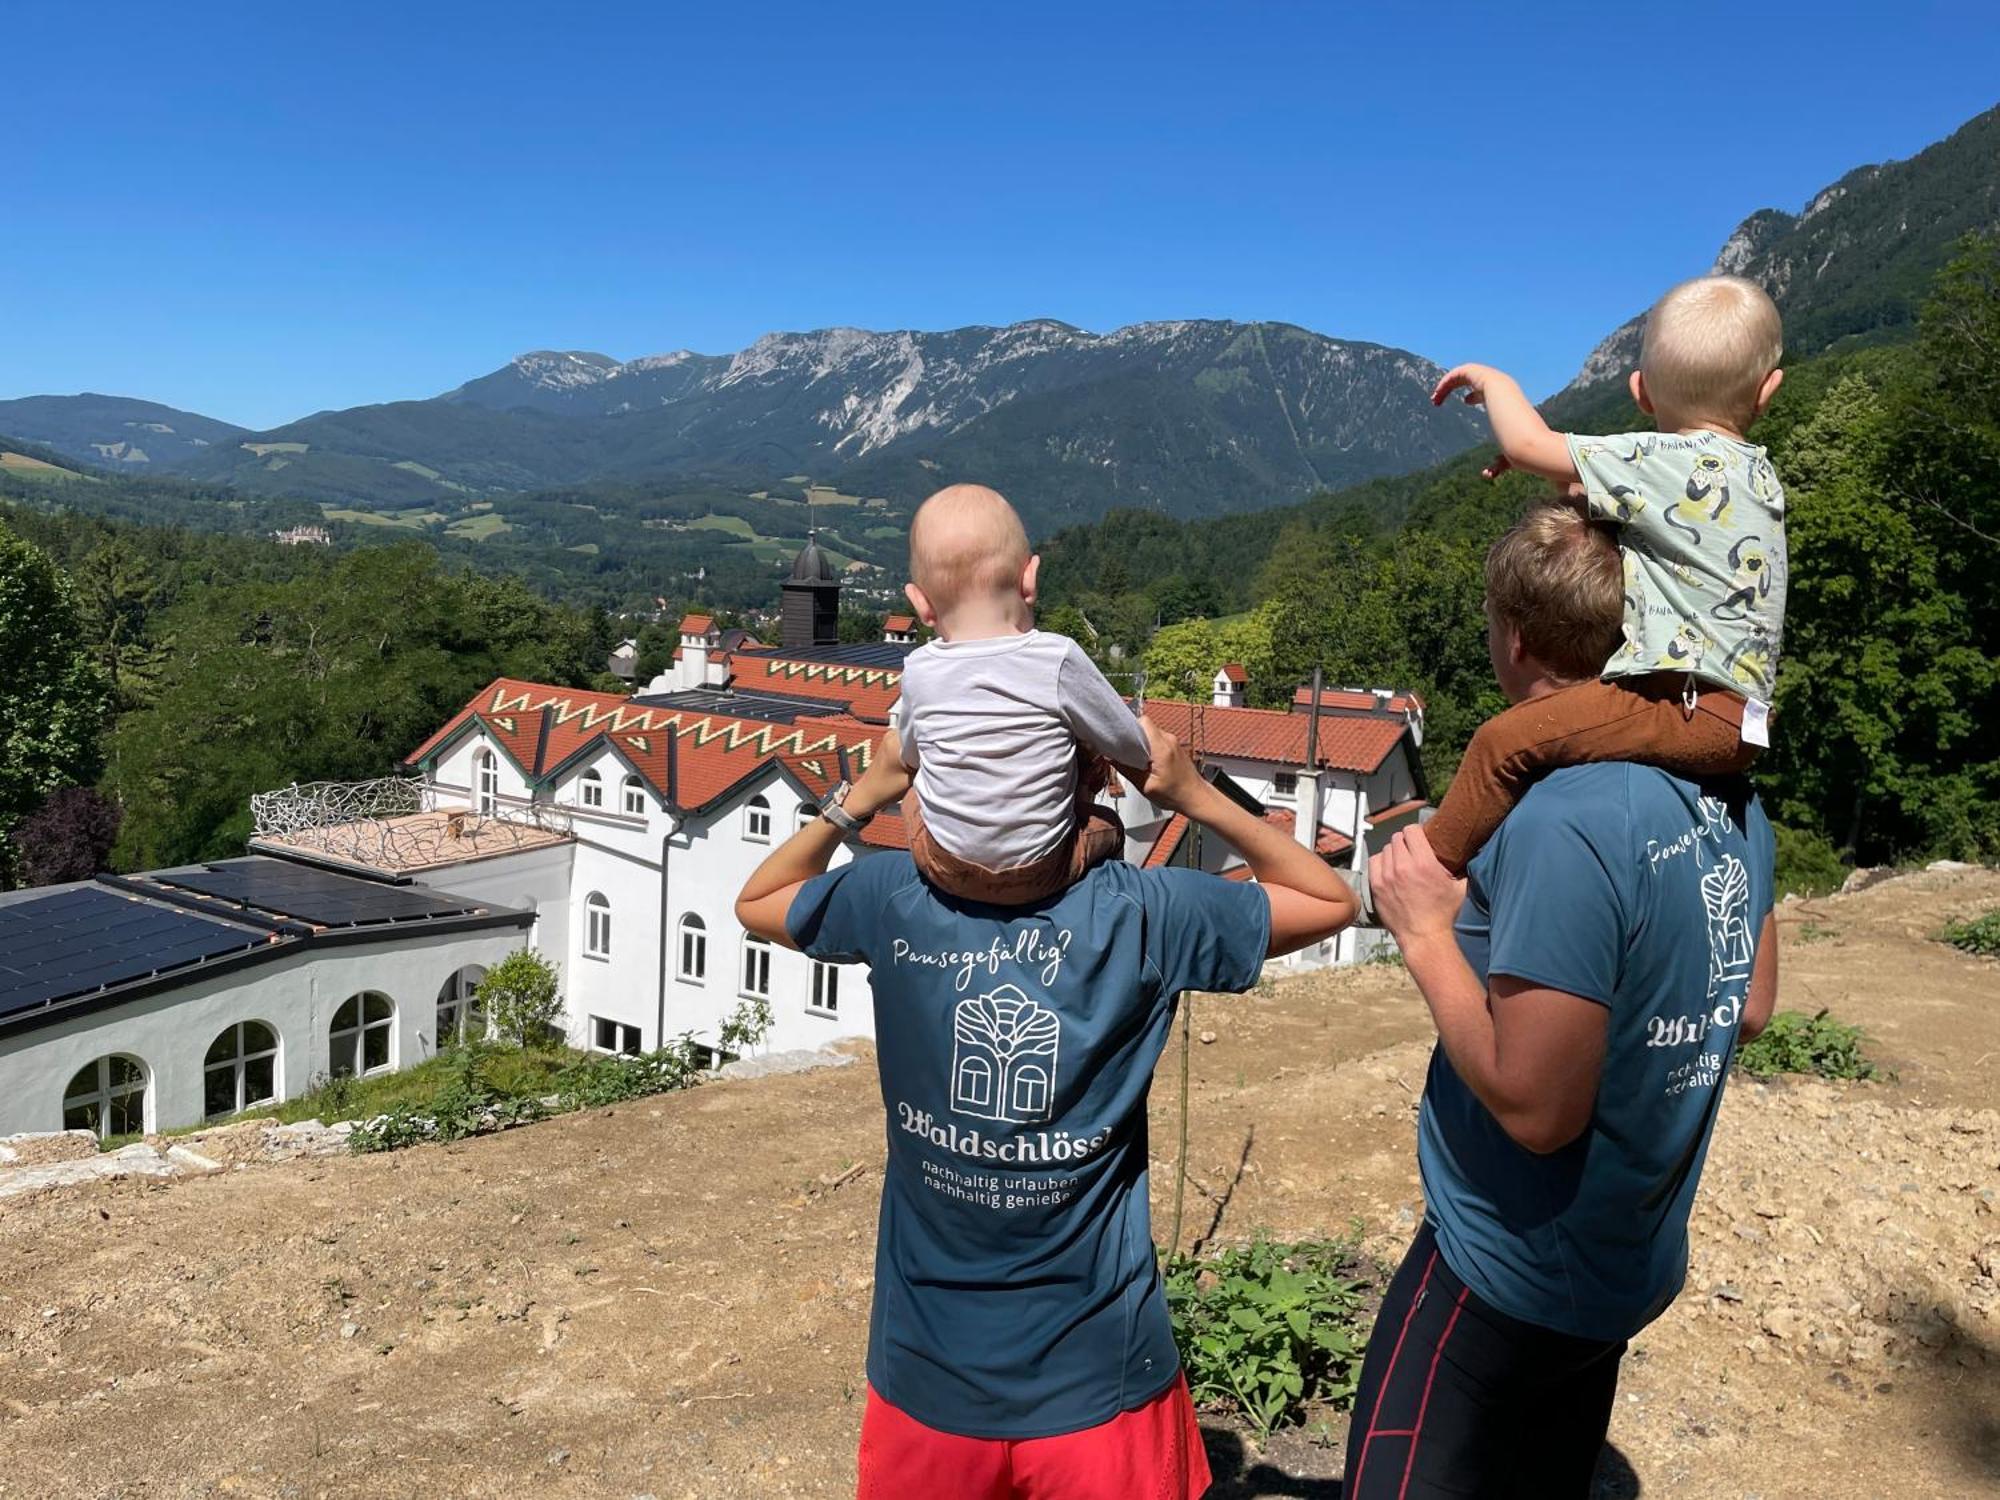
319,678
51,694
69,837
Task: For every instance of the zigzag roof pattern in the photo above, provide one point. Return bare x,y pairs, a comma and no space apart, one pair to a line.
689,758
868,692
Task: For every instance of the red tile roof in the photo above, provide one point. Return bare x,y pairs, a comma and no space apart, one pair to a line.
1400,810
867,692
1331,840
689,758
1272,735
1167,843
696,625
1234,672
1355,700
902,624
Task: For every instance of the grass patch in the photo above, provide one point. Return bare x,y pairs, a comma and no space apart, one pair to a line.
477,528
587,549
401,521
826,494
23,467
1795,1042
1267,1329
1975,935
265,450
734,525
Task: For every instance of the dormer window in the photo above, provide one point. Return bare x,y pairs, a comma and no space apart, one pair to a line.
757,820
590,789
635,797
485,783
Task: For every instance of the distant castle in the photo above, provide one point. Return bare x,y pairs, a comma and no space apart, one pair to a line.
303,536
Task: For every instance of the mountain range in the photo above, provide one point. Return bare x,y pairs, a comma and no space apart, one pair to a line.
1189,418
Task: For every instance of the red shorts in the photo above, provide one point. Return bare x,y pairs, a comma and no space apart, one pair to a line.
1153,1453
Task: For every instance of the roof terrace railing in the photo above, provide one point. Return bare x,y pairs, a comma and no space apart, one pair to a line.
396,822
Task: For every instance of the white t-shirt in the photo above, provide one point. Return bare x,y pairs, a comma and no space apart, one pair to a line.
992,728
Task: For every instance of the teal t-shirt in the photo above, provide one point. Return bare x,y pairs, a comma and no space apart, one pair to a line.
1701,523
1646,894
1016,1291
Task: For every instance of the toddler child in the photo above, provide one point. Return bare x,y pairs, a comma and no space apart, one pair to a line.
1701,525
1007,727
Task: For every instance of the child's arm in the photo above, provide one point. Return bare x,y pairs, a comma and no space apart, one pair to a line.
1526,441
1097,716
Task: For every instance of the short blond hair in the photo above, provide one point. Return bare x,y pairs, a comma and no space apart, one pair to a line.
1557,578
965,540
1709,344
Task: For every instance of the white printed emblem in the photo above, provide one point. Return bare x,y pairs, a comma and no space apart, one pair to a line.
1003,1057
1725,895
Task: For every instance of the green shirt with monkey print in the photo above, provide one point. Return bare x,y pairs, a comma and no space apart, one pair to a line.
1701,524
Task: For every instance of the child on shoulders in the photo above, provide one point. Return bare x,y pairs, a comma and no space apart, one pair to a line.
1701,523
1007,727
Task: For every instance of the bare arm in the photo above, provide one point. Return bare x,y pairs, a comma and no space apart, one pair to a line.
1526,441
1309,900
1763,982
766,898
1532,1055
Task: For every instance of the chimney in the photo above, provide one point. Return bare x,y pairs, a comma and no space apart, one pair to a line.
900,630
1305,821
1227,689
698,638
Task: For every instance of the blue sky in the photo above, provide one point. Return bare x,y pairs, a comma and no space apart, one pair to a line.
258,211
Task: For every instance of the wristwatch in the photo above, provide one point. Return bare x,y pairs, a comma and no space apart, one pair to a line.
840,817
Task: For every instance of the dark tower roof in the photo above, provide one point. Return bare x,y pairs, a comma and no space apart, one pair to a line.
811,614
811,565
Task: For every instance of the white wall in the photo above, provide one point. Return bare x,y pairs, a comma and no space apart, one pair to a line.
296,995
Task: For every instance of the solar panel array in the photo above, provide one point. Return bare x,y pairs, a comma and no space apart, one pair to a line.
77,942
321,897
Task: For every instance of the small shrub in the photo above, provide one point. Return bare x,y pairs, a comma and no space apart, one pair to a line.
612,1080
1266,1328
520,995
746,1026
1976,935
465,1104
1798,1043
1808,865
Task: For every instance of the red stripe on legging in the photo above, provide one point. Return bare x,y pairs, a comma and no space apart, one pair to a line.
1353,1487
1410,1463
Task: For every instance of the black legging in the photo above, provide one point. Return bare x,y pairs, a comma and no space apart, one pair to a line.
1459,1399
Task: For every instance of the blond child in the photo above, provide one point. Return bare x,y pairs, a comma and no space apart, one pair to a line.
1701,525
1006,726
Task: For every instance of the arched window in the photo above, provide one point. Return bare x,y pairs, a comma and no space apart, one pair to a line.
808,813
635,797
757,820
825,989
597,926
756,967
975,1082
694,949
107,1097
359,1040
460,1017
485,783
590,789
241,1069
1031,1091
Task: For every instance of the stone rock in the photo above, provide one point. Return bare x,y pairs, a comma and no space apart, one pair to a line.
784,1062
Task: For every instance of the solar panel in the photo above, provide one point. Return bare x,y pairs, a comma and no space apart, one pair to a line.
73,943
321,897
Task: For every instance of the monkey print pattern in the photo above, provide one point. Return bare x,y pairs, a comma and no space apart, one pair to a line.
1701,523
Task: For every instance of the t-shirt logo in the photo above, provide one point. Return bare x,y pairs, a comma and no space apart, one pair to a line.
1725,895
1003,1057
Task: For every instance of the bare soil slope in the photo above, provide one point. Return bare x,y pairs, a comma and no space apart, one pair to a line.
670,1298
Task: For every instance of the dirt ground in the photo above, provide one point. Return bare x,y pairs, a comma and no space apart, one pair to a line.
670,1298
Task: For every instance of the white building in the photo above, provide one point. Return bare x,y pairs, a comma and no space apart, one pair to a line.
611,833
152,1001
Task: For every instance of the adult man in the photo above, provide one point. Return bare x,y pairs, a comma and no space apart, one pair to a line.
1600,974
1019,1344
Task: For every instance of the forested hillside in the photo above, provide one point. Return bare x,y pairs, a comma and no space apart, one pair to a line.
158,676
1888,712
